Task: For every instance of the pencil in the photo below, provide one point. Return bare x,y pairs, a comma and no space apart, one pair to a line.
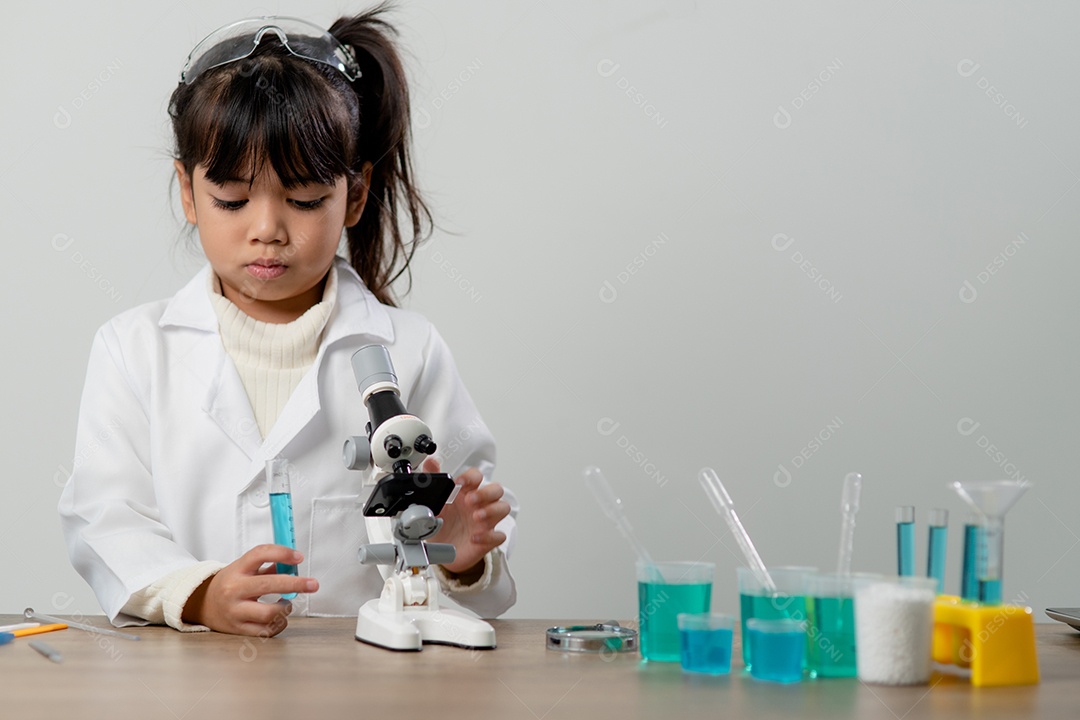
39,629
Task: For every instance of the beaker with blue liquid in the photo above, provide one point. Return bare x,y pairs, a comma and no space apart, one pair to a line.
705,642
779,649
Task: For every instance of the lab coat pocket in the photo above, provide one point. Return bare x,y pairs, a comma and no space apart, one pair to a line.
337,532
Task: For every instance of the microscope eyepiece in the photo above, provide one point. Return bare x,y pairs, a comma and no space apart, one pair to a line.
371,364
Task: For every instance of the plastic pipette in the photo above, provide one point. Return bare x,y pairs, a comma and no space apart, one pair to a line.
613,509
29,614
721,501
849,505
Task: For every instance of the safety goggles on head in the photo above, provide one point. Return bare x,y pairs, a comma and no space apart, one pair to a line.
238,40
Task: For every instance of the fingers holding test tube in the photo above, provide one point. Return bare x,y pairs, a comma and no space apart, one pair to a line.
229,600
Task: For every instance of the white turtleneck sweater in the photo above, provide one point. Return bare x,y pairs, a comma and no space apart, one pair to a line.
271,359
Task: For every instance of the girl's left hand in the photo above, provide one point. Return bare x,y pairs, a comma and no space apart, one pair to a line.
469,522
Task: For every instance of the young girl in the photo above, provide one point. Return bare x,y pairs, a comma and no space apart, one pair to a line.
285,136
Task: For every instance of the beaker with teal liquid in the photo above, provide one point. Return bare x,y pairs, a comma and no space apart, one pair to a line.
830,633
666,589
755,601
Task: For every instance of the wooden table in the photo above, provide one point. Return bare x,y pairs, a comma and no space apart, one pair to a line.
315,669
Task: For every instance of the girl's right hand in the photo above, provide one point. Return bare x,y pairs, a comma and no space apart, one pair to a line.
229,601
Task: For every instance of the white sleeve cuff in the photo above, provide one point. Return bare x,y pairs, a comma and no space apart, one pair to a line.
162,602
453,585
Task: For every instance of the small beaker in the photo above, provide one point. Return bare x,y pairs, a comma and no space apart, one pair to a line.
705,642
778,648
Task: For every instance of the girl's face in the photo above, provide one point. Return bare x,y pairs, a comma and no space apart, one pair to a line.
271,247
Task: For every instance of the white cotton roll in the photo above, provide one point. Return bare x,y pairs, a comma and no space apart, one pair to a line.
894,632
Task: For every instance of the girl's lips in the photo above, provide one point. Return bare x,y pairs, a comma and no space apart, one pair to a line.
266,271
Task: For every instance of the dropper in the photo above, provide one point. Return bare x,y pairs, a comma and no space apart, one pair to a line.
721,501
613,509
849,505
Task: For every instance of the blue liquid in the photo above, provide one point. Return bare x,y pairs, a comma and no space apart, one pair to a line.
969,581
281,515
990,592
935,557
831,638
767,608
659,605
706,651
778,656
905,548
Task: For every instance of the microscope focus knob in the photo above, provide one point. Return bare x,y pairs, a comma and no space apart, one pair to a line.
357,453
425,445
417,522
393,446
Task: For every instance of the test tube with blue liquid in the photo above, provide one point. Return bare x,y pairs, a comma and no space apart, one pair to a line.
281,512
935,554
905,540
969,581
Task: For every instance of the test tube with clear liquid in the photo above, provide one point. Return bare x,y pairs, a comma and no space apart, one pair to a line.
991,500
281,512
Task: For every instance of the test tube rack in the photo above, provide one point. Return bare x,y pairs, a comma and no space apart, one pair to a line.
996,643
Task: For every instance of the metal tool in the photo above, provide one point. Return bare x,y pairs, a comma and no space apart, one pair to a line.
609,637
29,614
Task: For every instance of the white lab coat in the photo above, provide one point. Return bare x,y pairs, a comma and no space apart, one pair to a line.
169,462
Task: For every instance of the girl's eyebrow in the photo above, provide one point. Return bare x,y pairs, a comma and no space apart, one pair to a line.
300,182
228,181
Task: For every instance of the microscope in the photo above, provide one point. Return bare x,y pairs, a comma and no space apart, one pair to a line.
407,614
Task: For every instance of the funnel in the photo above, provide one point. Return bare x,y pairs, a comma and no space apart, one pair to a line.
991,499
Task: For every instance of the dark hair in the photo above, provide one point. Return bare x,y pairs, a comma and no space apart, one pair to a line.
313,125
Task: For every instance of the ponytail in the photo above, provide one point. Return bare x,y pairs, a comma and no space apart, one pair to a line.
377,249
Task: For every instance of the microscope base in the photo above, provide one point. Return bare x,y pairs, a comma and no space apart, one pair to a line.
409,628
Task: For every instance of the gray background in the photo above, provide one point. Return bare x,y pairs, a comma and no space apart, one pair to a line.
786,240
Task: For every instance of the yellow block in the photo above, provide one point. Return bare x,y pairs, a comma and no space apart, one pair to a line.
996,641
